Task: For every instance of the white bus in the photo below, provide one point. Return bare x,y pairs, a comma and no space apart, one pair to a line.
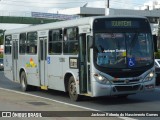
95,56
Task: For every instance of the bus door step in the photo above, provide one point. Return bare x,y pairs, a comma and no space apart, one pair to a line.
44,87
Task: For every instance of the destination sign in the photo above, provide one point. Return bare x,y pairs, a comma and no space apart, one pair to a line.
122,24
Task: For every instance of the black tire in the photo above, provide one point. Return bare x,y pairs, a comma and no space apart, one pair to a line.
72,90
24,85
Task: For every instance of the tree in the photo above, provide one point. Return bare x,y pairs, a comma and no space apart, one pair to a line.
1,36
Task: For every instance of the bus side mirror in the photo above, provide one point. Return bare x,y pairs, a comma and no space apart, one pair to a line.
90,41
155,43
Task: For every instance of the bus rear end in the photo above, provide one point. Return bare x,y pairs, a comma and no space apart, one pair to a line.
123,56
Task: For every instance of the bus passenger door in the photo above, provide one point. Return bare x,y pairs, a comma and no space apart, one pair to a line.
8,66
42,62
82,63
15,57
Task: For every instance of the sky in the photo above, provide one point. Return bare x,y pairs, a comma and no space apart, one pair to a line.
52,6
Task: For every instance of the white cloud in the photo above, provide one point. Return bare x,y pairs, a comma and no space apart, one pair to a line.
38,5
125,4
54,5
149,3
21,5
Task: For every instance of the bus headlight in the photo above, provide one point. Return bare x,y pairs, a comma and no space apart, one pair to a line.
101,79
149,77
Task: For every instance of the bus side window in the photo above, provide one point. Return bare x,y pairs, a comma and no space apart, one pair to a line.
22,43
8,44
32,43
70,41
55,42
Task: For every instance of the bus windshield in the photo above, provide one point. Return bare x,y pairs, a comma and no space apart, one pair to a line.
123,50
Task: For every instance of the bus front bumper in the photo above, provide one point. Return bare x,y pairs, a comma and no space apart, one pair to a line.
121,89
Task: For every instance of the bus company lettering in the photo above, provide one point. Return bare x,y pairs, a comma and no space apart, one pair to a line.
121,23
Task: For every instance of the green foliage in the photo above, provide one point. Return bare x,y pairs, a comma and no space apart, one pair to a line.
1,40
1,55
157,54
1,36
1,43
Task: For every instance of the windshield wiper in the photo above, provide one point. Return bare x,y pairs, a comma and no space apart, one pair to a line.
133,41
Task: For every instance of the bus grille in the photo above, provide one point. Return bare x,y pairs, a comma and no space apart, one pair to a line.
127,88
124,81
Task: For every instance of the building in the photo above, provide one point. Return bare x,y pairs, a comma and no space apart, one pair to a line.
83,11
151,5
152,15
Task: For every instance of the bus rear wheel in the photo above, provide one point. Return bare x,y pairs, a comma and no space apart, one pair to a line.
72,90
23,79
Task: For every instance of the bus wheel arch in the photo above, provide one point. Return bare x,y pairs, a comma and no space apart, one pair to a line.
20,72
66,80
23,81
70,87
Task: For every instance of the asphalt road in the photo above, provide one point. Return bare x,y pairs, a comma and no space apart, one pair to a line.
148,101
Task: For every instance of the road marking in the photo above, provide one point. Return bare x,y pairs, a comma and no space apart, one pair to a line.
124,118
127,118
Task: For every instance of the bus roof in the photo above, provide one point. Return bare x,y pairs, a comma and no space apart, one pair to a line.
64,24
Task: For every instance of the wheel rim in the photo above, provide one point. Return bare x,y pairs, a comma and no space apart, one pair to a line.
73,89
23,82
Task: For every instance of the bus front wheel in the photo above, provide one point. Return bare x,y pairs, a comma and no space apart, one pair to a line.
72,89
24,85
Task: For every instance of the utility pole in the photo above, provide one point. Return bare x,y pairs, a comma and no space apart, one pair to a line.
106,7
107,3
